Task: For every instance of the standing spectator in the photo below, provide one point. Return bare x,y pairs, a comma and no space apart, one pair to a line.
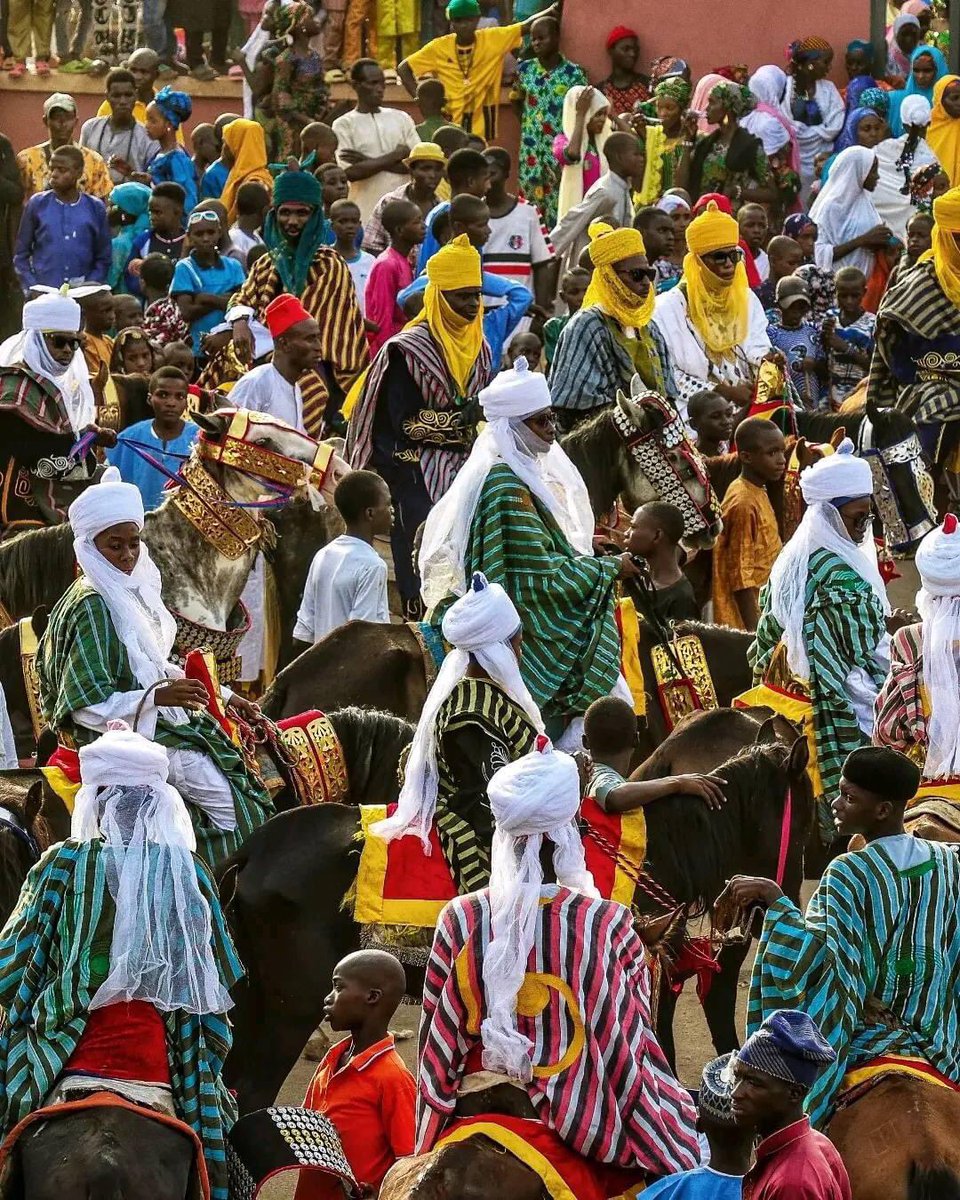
784,256
659,237
72,50
517,248
119,139
29,26
203,282
729,160
398,32
11,194
573,288
130,218
425,164
162,321
343,36
431,100
165,114
214,178
60,118
166,234
244,155
392,272
206,145
195,18
542,82
812,103
373,141
469,64
167,432
848,335
579,146
798,339
95,340
345,224
299,95
253,200
144,66
624,86
107,49
64,235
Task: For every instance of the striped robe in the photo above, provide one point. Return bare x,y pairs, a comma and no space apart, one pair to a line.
873,934
901,719
842,626
571,648
331,300
81,661
55,954
600,1078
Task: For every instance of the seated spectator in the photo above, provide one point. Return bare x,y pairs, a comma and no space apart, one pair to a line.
60,118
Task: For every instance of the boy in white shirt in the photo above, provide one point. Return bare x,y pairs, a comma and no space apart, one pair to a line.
345,222
347,580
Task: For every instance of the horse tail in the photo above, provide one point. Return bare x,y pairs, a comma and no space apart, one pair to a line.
932,1183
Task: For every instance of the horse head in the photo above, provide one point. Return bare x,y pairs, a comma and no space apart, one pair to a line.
902,484
664,464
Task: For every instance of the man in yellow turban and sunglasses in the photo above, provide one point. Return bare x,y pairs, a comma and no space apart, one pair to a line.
612,337
916,357
416,415
714,325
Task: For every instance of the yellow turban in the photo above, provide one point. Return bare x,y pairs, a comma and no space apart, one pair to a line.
607,290
943,135
944,249
455,266
720,311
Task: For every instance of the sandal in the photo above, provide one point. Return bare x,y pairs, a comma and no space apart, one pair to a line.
42,68
18,70
204,74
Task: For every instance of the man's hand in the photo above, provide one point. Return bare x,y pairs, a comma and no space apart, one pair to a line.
245,709
745,890
628,568
243,340
182,693
350,157
901,617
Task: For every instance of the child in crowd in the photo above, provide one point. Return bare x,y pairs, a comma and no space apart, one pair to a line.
166,234
659,239
403,221
793,333
253,200
299,94
655,533
347,580
573,288
97,345
181,356
362,1084
214,178
204,281
752,219
431,99
711,418
168,434
847,332
162,322
610,736
345,223
127,312
206,148
785,256
749,542
133,353
336,186
524,345
165,114
318,145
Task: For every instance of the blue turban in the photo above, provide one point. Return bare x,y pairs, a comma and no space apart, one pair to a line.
788,1046
175,106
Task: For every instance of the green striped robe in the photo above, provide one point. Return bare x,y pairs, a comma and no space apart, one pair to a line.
81,661
872,933
55,954
571,648
843,625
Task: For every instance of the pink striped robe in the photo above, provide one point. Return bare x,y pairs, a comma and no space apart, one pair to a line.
617,1101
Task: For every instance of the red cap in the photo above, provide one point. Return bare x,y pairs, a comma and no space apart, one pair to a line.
619,33
283,312
950,523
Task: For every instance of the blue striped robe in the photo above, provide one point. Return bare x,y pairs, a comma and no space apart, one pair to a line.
873,934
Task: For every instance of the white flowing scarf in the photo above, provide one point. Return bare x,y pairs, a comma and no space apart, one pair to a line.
479,625
938,562
161,951
844,210
571,177
71,381
535,797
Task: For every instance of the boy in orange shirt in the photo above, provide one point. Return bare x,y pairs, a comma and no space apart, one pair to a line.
362,1084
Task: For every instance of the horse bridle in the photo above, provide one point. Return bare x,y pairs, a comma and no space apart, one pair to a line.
11,821
880,458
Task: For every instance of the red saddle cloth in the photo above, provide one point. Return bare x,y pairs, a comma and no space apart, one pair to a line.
126,1040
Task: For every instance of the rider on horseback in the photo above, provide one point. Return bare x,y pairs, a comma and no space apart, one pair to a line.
106,656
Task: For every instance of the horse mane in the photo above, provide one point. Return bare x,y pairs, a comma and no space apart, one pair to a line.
723,469
818,427
31,562
596,449
372,743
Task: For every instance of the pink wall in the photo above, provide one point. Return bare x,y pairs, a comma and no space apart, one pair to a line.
709,33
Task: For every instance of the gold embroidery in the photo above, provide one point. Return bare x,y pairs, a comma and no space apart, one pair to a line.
31,681
316,751
209,509
436,428
689,689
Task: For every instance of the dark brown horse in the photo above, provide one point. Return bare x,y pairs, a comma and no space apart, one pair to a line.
474,1169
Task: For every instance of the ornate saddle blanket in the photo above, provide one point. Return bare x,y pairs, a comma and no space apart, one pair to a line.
934,812
860,1080
684,682
286,1138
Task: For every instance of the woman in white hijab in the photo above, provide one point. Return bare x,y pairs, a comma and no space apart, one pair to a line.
899,159
844,212
106,656
579,148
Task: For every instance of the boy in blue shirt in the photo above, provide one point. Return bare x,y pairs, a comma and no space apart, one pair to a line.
204,281
166,437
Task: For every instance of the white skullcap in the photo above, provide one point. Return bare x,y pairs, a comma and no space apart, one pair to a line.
518,393
915,110
121,756
109,502
53,313
938,559
484,616
671,204
840,476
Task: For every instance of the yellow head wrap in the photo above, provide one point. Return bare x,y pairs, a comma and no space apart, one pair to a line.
456,265
944,250
943,136
607,290
720,311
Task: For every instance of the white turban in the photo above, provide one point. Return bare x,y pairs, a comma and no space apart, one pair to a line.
840,476
479,625
516,394
104,504
536,796
915,110
162,950
53,313
672,204
938,563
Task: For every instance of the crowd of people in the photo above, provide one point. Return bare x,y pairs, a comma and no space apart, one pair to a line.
758,251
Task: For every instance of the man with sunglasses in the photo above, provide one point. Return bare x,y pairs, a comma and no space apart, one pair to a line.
714,325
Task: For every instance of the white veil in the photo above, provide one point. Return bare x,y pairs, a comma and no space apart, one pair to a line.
72,381
938,562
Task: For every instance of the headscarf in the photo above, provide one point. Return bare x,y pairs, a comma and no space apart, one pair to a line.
140,618
938,563
675,88
851,126
821,286
175,106
535,797
877,100
796,223
808,49
161,950
456,265
294,259
542,467
898,63
54,313
606,290
245,140
667,67
133,333
855,89
896,98
720,311
672,204
843,210
915,110
788,1046
769,85
133,199
479,626
839,476
701,94
289,16
736,100
943,136
571,177
944,249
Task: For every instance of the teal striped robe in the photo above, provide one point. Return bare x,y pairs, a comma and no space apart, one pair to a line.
81,661
872,934
55,954
842,627
571,647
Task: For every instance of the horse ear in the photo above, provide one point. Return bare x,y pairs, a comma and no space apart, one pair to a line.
767,733
837,436
32,804
38,620
799,756
214,423
873,410
631,410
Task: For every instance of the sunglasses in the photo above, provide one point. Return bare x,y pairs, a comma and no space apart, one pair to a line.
63,341
206,217
637,273
724,256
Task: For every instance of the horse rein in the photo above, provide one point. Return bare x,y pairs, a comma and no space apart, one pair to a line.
10,820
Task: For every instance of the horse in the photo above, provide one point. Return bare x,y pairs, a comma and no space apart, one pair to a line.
283,892
473,1169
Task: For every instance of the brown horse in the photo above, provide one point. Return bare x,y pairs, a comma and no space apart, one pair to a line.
473,1169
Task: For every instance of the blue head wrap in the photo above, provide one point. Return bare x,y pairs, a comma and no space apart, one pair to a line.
175,106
